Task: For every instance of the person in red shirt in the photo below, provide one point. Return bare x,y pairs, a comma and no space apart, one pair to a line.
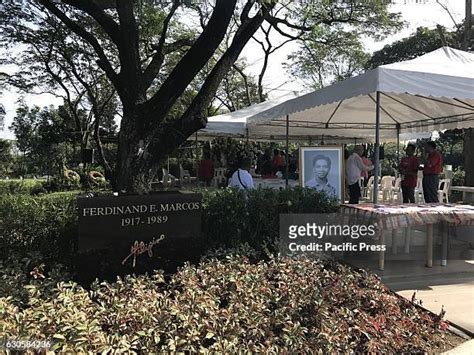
433,165
206,170
278,161
409,169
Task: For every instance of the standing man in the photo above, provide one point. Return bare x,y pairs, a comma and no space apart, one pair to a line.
241,178
278,161
206,169
354,168
433,165
409,169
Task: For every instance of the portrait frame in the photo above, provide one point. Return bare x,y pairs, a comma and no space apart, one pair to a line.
336,176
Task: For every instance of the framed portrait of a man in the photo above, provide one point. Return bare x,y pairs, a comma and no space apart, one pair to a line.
322,168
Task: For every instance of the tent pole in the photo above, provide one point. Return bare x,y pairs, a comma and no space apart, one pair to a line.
398,143
377,148
287,149
247,135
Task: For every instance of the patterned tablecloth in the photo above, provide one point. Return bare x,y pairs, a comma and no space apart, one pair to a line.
401,216
274,183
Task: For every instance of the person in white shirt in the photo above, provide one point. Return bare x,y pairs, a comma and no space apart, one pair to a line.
354,167
241,178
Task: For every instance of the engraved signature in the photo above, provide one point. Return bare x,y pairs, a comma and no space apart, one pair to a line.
138,248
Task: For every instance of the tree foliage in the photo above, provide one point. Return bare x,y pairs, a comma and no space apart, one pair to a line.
334,52
324,60
40,136
165,61
6,156
423,41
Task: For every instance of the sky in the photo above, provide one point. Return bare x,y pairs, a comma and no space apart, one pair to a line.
416,13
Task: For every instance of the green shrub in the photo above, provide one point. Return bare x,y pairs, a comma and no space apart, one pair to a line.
280,306
16,273
45,224
458,177
232,217
48,224
26,186
58,184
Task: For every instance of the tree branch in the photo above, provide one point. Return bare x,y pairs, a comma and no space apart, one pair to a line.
102,158
244,16
195,116
245,79
178,44
103,62
192,62
154,67
110,27
130,66
445,8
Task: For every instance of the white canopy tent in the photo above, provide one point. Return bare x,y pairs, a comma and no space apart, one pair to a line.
428,93
234,124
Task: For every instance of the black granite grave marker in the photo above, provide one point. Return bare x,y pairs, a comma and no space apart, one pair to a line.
141,224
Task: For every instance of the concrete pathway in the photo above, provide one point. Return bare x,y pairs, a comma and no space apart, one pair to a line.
466,348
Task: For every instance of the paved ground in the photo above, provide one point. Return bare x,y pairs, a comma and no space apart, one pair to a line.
466,348
451,287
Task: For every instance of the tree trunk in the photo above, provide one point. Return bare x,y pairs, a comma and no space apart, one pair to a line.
132,160
142,153
147,133
469,156
109,174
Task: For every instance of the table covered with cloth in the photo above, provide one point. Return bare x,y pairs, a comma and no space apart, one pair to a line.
393,217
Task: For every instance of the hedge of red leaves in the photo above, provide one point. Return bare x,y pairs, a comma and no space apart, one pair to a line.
281,305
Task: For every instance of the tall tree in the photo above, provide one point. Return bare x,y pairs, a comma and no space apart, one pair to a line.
53,60
324,59
6,157
151,90
40,133
424,40
335,52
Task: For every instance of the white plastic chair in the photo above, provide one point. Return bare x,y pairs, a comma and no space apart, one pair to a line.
397,191
386,188
219,177
419,196
369,189
168,179
185,175
443,190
